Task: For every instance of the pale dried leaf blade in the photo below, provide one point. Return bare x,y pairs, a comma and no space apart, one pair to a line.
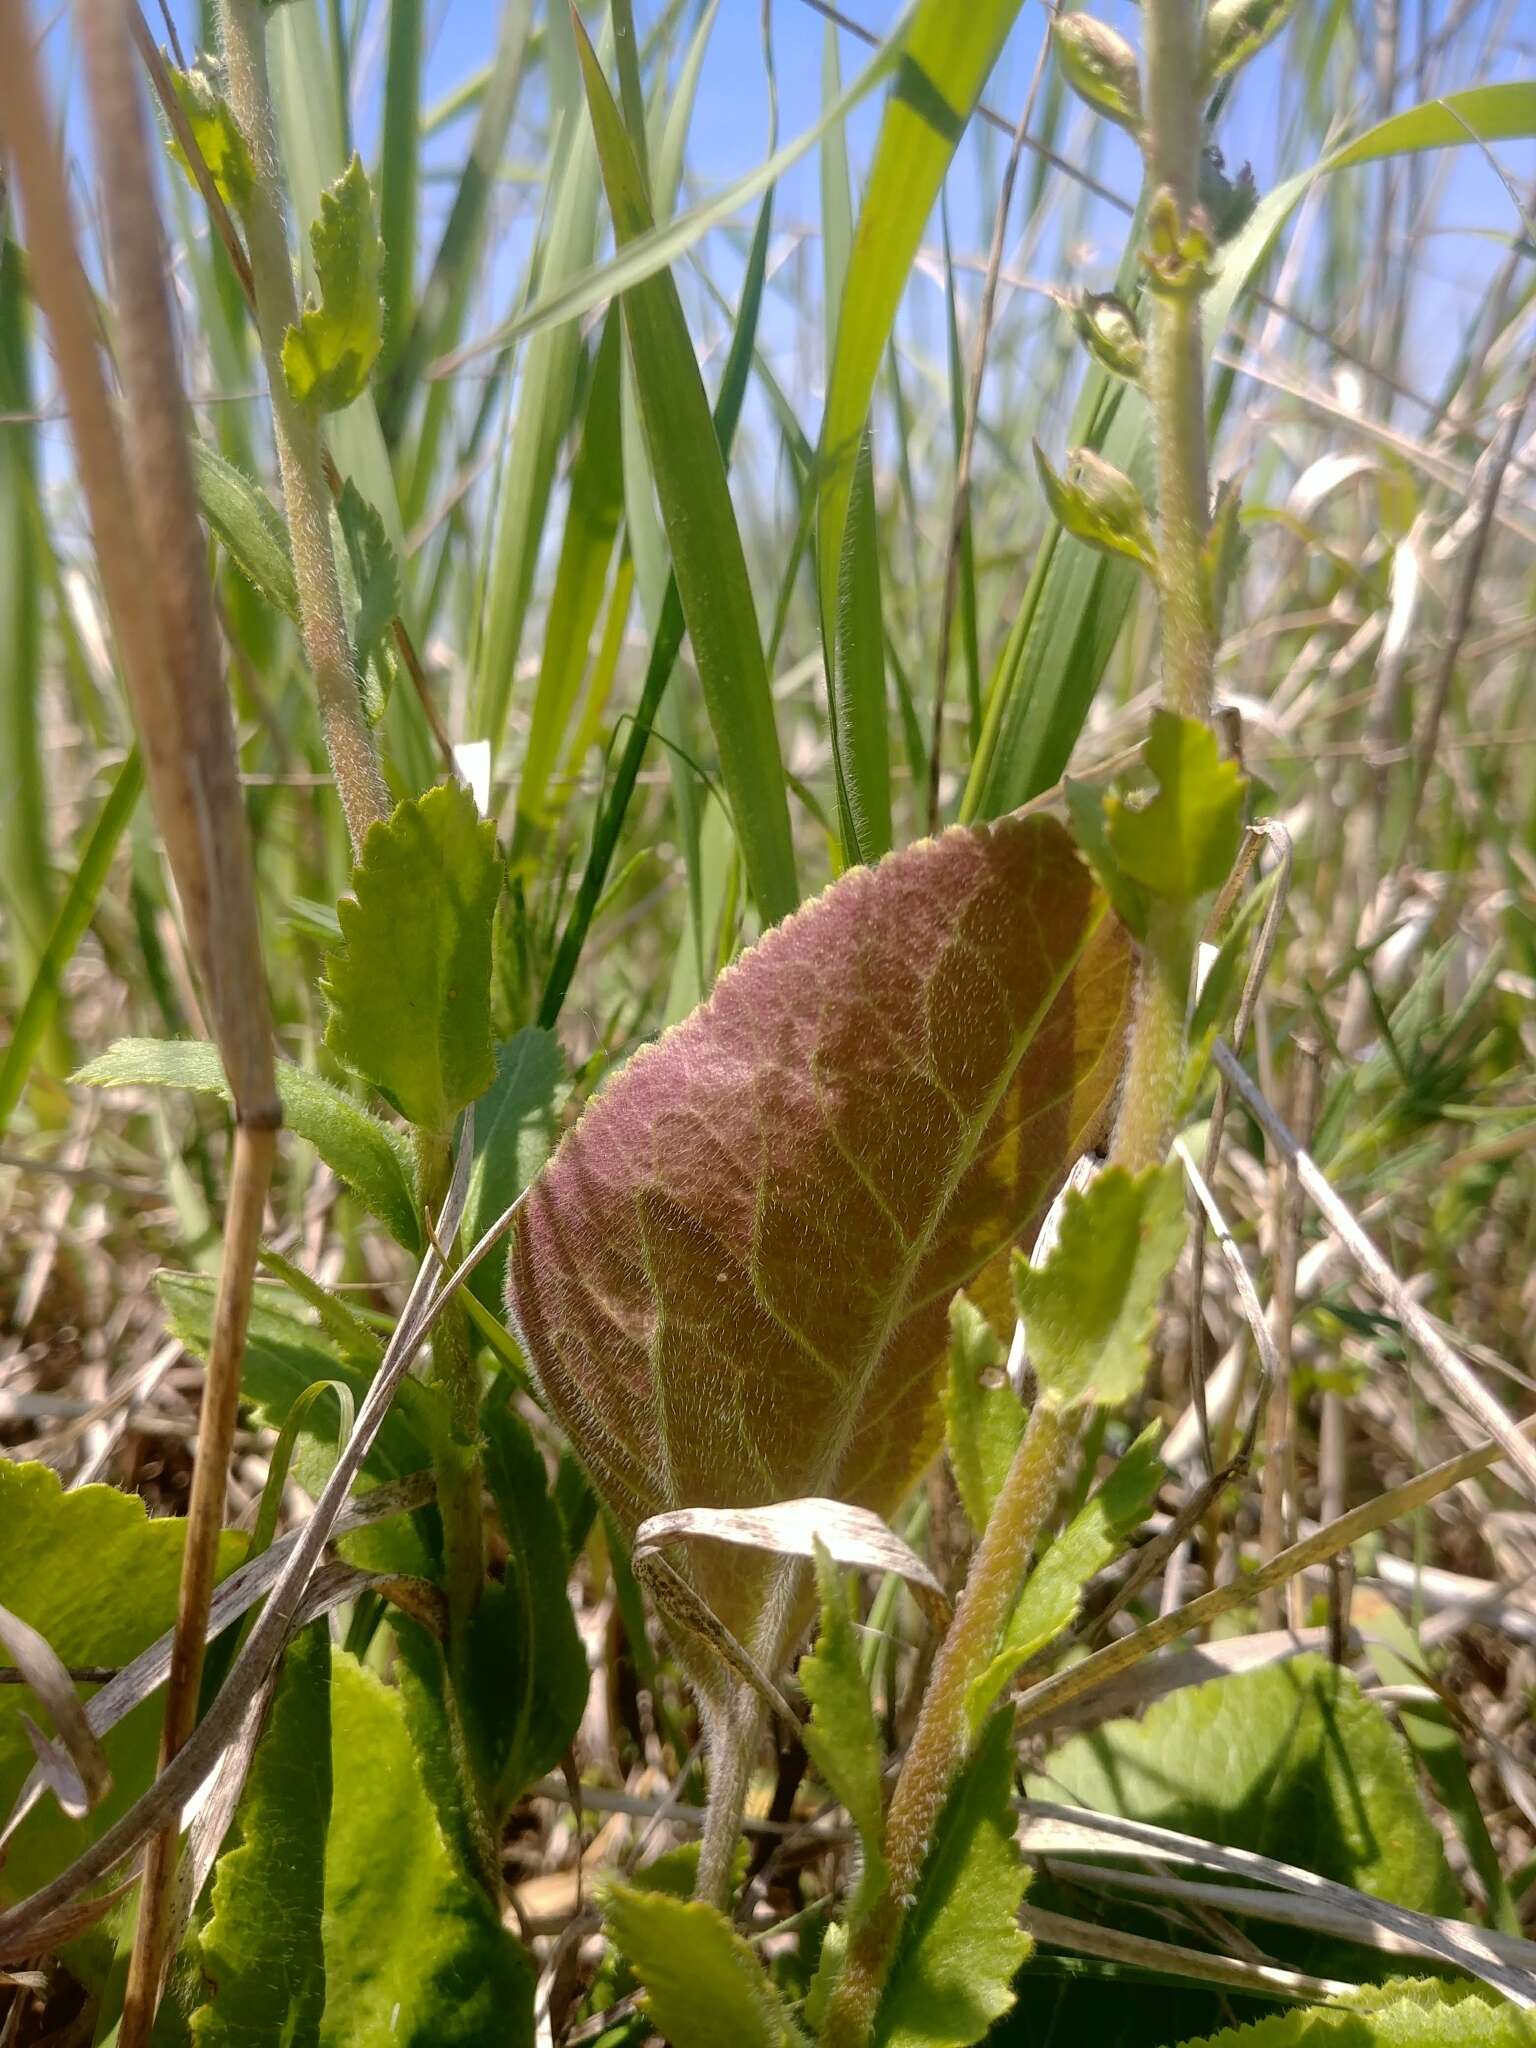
75,1766
853,1537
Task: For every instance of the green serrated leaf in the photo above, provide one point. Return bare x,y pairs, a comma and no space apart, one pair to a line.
329,355
1181,843
248,524
1094,1537
704,1985
842,1737
261,1953
1088,1310
1090,828
415,1952
217,134
98,1578
1402,2014
372,1159
953,1975
375,573
982,1424
410,995
1099,504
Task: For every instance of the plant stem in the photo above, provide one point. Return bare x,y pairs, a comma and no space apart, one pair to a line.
942,1737
296,430
456,1454
1155,1060
735,1728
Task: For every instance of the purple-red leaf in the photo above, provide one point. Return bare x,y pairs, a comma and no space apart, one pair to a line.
734,1276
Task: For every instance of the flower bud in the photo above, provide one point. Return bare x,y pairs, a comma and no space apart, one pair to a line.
1108,330
1100,66
1100,505
1235,29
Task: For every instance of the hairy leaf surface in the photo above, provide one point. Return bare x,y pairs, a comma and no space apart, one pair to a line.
329,355
734,1277
703,1983
1398,2015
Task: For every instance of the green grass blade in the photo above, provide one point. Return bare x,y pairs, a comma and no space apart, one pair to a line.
666,642
945,59
586,551
861,747
399,171
707,555
69,929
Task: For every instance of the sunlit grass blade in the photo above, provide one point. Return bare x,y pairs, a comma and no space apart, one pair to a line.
665,645
946,57
707,555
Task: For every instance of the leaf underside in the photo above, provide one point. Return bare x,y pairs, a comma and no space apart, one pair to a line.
734,1277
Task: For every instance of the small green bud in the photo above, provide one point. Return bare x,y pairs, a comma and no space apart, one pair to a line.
1235,29
1178,252
1100,67
1099,504
1109,332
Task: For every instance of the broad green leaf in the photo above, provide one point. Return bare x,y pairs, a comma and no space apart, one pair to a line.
372,1159
285,1355
705,543
1053,1593
98,1579
329,356
410,993
982,1422
733,1278
1402,2014
415,1952
217,134
261,1954
530,1673
704,1985
515,1130
962,1945
946,56
250,526
1291,1762
1399,1658
1088,1311
842,1738
1182,842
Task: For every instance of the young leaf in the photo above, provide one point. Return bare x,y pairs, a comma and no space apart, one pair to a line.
1098,504
217,135
98,1578
962,1947
1093,1538
982,1424
328,357
261,1953
733,1277
372,1159
410,994
1182,843
707,556
703,1983
842,1738
415,1953
1088,1310
1401,2014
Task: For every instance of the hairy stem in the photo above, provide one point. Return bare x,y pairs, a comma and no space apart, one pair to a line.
735,1727
942,1737
296,430
1155,1060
